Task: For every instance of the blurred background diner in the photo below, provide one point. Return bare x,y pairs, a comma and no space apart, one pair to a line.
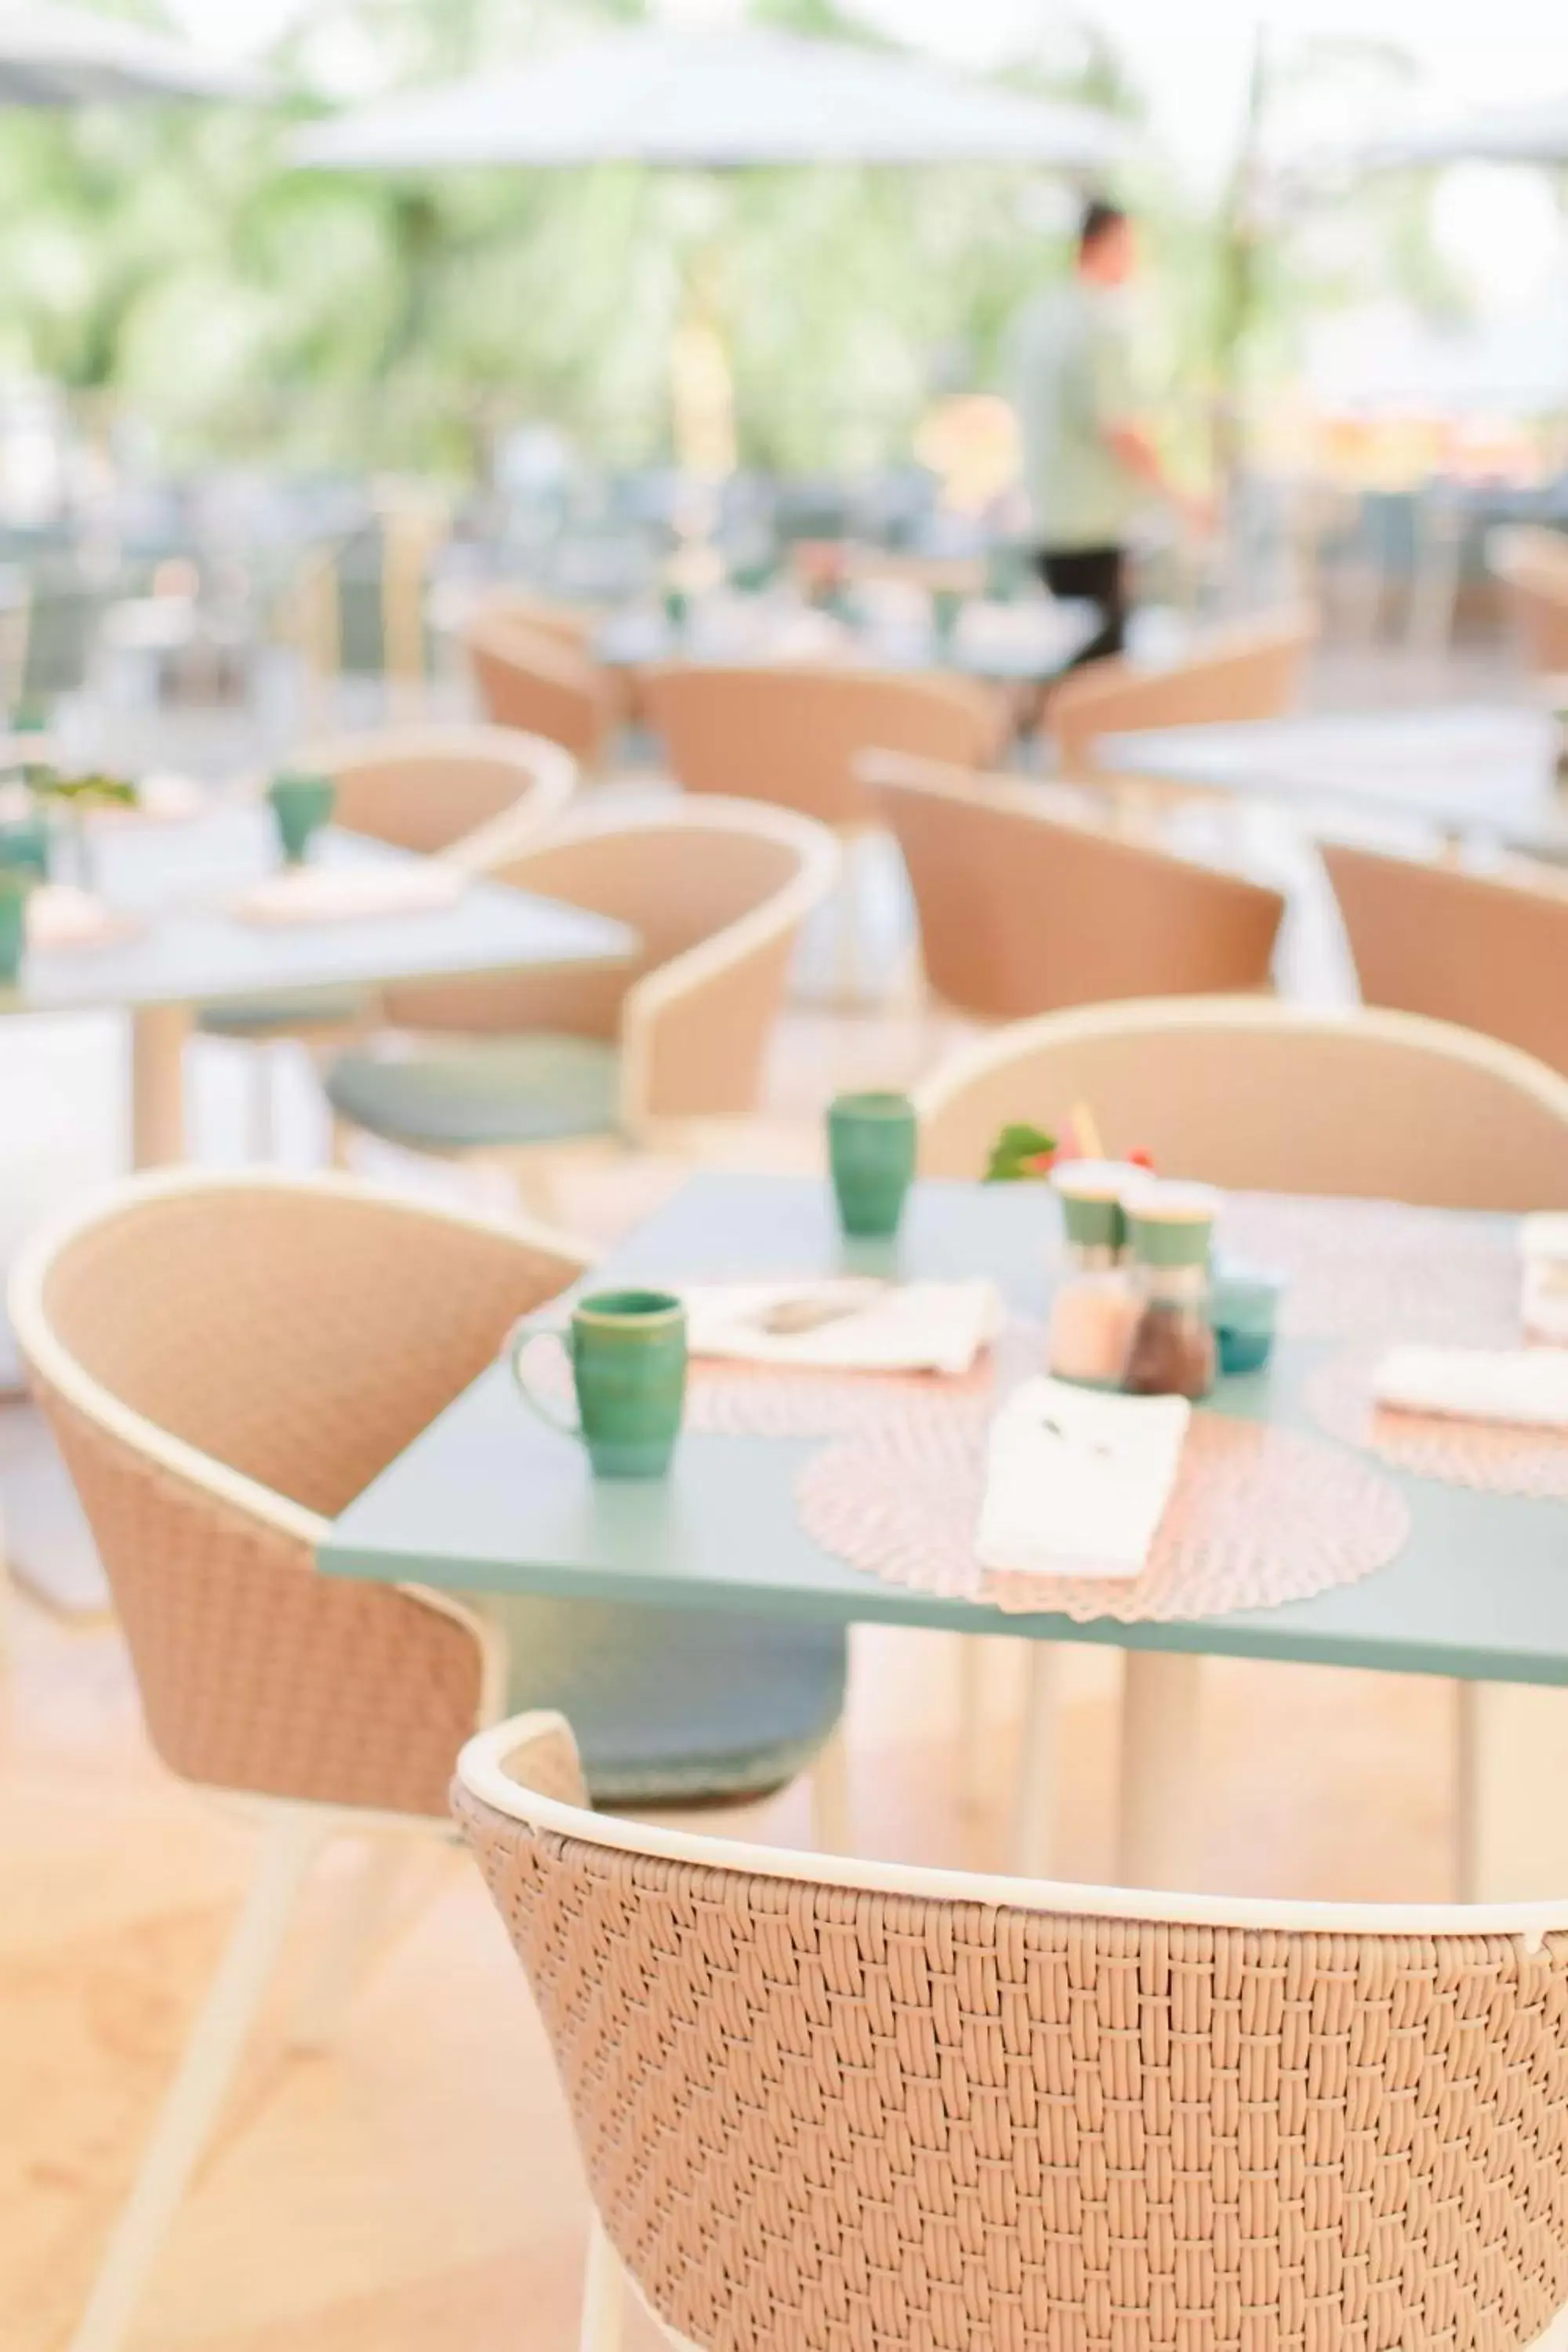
580,584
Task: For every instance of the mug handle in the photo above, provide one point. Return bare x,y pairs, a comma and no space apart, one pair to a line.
519,1339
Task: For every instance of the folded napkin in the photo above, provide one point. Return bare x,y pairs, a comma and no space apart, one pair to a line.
1527,1386
1544,1242
1076,1481
336,894
913,1326
61,916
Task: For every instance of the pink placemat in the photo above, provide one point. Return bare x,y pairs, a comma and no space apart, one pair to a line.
1258,1515
1359,1269
1494,1457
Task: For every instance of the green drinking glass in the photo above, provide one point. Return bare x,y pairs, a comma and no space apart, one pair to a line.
628,1353
872,1144
302,806
946,612
16,886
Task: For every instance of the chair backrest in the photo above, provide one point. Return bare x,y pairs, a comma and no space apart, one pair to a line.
833,2104
1021,910
792,733
716,892
1248,1092
1251,669
463,792
1488,953
1532,565
225,1362
574,625
531,679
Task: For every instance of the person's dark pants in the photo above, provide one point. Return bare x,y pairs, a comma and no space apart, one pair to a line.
1097,575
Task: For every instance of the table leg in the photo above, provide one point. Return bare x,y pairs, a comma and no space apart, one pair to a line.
1158,1730
1034,1802
1510,1755
158,1035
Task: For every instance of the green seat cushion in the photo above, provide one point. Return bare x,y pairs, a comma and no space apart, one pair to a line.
305,1008
674,1706
474,1091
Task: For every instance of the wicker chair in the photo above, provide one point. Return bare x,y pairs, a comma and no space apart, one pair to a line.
1250,670
1278,1098
531,678
858,2107
717,892
226,1361
1022,911
1489,951
1532,565
468,795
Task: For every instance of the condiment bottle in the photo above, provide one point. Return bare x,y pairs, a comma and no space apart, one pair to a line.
1173,1350
1095,1306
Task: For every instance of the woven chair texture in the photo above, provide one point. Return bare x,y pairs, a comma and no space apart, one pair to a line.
300,1336
825,2118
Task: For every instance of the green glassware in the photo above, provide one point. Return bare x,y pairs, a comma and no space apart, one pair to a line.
25,842
946,612
16,886
871,1142
301,806
628,1353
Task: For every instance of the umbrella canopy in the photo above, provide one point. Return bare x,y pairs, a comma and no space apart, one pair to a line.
59,57
1533,133
715,100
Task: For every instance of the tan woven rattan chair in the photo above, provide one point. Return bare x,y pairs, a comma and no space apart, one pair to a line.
1532,565
226,1361
1249,670
468,795
1488,952
530,679
1278,1098
1022,910
853,2108
717,892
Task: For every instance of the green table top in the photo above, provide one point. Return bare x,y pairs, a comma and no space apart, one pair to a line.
489,1497
175,882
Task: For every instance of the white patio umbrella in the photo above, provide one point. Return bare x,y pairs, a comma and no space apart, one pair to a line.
1535,132
65,57
714,100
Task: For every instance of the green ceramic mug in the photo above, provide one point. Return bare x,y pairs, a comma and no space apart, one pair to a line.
628,1353
17,884
301,806
871,1150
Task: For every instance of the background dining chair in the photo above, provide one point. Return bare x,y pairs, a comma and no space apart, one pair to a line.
530,679
1251,669
1278,1098
1532,565
1489,951
517,1069
226,1361
823,2106
792,733
469,794
1022,910
1251,1093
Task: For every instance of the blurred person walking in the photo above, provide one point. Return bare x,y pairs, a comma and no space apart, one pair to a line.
1089,463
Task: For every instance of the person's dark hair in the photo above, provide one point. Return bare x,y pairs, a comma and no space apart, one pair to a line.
1101,219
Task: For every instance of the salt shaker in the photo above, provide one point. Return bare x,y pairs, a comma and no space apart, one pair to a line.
1095,1308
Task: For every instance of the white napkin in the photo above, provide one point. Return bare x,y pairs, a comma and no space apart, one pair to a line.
914,1327
61,916
1076,1481
336,894
1527,1386
1544,1242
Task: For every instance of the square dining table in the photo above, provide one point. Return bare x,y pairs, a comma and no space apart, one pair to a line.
489,1497
182,939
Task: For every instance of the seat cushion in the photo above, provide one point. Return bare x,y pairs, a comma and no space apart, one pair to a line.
470,1092
307,1008
674,1706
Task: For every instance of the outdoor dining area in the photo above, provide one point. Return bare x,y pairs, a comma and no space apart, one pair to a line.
784,1384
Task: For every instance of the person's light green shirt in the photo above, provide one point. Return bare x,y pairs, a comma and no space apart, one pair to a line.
1072,383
